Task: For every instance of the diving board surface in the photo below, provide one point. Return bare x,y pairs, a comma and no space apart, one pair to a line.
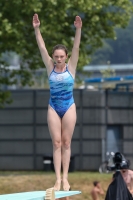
36,195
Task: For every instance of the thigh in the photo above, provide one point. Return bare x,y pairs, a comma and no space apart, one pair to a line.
68,123
54,124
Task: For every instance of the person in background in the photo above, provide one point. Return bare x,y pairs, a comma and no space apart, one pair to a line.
96,190
127,175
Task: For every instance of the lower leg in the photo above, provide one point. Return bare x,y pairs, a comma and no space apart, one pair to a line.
54,125
57,167
65,164
68,124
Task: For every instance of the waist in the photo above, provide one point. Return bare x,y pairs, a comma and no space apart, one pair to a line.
61,97
61,102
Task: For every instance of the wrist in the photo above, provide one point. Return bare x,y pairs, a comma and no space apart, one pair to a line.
78,28
36,28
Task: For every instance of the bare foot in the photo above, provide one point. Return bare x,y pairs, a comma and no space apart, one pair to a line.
57,185
66,186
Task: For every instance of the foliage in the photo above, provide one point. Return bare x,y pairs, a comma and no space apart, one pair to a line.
57,16
118,51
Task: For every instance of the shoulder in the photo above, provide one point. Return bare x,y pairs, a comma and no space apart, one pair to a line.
71,69
50,68
96,189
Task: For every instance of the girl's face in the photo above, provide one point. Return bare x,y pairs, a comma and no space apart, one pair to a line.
59,57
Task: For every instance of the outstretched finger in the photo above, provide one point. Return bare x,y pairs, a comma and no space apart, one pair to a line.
78,22
35,16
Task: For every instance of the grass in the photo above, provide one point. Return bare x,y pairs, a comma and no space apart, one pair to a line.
13,182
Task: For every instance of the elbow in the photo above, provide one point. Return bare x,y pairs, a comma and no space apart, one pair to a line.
76,47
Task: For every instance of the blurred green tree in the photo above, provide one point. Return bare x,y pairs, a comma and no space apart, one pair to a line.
118,51
56,16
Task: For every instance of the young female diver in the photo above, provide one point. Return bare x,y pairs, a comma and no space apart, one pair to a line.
61,115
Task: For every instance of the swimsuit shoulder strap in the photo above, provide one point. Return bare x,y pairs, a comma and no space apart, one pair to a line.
54,67
67,68
69,71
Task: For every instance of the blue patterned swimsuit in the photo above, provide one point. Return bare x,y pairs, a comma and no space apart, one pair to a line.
61,91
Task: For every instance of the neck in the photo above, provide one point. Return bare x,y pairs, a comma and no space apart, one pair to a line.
60,67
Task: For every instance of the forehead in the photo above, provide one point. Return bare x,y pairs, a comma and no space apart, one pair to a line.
59,52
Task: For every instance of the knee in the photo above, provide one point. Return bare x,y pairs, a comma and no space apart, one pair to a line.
66,144
57,144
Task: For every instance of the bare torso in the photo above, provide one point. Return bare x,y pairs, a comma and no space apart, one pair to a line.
95,193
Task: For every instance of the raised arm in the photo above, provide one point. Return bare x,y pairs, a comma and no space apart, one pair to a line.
44,53
100,190
72,63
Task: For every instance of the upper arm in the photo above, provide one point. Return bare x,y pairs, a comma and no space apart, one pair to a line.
100,191
43,51
47,60
73,60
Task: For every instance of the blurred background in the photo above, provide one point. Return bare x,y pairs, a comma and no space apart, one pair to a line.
103,89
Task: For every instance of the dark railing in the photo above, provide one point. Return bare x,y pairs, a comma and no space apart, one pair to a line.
25,139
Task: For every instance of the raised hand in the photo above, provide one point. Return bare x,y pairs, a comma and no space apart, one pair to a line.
36,21
78,22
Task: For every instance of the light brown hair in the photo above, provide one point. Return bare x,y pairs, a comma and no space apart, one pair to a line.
60,46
